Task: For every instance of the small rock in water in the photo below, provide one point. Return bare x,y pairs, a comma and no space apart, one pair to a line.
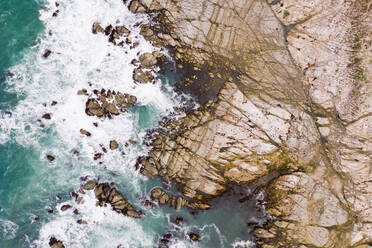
81,221
55,243
89,185
54,103
82,92
85,132
50,210
47,116
65,207
97,156
50,158
97,28
76,212
47,53
194,236
113,145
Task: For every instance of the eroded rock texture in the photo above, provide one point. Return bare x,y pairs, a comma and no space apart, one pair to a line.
293,94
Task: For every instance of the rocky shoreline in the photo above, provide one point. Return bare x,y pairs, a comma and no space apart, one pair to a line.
285,87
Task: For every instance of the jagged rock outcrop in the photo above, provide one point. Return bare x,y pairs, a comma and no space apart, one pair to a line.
106,194
108,103
177,202
286,85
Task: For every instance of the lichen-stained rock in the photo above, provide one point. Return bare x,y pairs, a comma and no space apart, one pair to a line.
294,94
319,215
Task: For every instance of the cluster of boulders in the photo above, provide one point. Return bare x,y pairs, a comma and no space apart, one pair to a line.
114,33
106,194
161,197
146,65
107,103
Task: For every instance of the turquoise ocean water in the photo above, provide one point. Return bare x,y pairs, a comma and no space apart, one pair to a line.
30,185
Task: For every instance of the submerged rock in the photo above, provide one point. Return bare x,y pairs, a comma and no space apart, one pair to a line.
194,236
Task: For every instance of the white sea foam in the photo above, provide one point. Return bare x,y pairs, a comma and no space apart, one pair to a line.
104,228
243,244
8,229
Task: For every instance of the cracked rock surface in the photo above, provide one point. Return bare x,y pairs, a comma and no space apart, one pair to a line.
292,94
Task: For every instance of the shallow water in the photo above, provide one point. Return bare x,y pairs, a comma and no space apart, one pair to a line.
30,184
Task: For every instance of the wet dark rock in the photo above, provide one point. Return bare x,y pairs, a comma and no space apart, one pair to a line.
55,13
97,156
50,158
47,53
194,236
114,145
65,207
76,212
85,132
47,116
80,221
179,220
55,243
108,30
54,103
57,4
89,185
